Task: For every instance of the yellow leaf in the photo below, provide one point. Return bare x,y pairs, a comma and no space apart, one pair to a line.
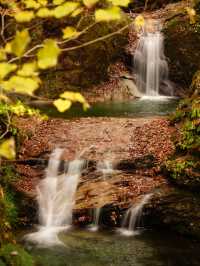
28,69
62,105
24,16
192,14
77,12
8,48
69,32
58,2
65,9
7,149
123,3
31,4
2,54
22,85
4,98
90,3
20,42
113,13
5,69
45,12
43,2
75,97
139,22
48,55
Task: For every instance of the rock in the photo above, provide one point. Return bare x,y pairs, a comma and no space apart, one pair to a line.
195,86
176,209
182,46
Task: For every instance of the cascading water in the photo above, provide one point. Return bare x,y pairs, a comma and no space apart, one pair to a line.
105,167
150,63
56,197
133,217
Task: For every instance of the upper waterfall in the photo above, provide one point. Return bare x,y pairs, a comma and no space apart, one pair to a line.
149,61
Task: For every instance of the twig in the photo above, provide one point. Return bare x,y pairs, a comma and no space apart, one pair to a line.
102,38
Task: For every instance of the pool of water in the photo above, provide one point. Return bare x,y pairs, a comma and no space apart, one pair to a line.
84,248
137,108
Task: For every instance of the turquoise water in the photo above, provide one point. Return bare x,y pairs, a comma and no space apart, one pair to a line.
135,108
84,248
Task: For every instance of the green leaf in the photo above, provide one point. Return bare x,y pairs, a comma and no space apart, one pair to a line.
28,69
2,54
48,55
20,42
7,149
62,105
24,16
113,13
123,3
65,9
90,3
69,32
6,68
45,13
22,85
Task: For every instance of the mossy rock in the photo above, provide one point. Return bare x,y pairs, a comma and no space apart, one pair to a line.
195,86
182,47
14,255
176,209
82,68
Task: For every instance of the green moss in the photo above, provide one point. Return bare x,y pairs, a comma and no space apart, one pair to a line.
14,255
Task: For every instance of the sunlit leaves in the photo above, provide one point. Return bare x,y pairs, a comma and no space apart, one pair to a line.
69,32
139,22
48,55
24,16
6,68
28,69
2,54
65,9
7,149
123,3
45,12
113,13
67,98
77,12
192,14
58,2
31,4
62,105
23,85
90,3
20,42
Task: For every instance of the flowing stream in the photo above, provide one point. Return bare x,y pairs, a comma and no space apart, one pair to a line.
132,219
56,198
150,63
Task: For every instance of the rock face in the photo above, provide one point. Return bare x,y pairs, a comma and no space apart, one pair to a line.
176,209
136,148
182,47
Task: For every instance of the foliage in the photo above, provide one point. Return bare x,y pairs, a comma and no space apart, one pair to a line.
14,255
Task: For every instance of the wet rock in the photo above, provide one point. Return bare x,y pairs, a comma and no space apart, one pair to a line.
176,209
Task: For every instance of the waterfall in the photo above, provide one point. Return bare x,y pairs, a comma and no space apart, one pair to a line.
106,168
150,63
133,217
56,198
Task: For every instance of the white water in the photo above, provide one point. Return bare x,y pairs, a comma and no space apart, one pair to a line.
56,198
150,63
133,217
106,168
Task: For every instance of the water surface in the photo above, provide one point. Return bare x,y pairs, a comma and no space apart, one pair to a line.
146,107
84,248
